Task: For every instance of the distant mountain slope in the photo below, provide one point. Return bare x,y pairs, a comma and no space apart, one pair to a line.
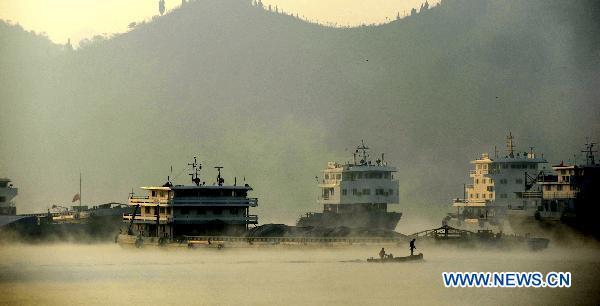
273,98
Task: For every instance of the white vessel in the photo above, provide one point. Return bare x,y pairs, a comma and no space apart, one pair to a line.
7,193
503,188
173,211
356,195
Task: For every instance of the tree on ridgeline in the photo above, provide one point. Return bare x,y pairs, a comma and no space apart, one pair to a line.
398,16
424,7
161,7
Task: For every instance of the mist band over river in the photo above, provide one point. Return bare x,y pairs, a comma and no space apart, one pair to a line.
105,274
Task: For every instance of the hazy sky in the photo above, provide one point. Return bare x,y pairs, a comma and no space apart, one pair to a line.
78,19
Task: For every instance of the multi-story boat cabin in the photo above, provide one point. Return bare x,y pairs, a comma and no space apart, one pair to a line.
171,211
502,186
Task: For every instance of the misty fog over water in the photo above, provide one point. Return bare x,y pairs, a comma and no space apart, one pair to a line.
274,98
108,274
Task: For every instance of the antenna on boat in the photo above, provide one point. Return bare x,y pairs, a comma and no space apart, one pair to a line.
510,147
589,151
364,149
220,180
195,168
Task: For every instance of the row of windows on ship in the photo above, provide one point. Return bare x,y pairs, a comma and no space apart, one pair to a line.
148,210
356,192
502,181
505,166
349,176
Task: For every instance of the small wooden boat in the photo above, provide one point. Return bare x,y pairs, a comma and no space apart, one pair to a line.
396,259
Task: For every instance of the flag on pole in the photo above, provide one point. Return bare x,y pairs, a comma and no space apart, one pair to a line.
76,198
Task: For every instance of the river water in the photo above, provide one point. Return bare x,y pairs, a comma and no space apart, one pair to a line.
102,274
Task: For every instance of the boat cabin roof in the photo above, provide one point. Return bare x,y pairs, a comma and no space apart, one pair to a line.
182,187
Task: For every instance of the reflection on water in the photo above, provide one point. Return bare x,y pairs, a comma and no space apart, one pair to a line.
109,274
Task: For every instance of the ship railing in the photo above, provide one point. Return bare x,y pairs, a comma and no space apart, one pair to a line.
139,198
138,217
571,194
147,201
252,202
225,218
296,240
531,194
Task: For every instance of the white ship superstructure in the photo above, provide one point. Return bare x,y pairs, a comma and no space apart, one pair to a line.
501,187
7,194
356,194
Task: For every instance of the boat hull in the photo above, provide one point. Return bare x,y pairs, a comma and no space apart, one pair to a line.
367,220
397,259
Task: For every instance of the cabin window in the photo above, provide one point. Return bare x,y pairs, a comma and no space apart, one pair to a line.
344,192
360,175
326,176
354,191
379,191
519,181
2,199
391,191
153,193
168,210
147,210
478,167
366,191
505,166
338,176
162,210
559,187
3,184
386,175
331,191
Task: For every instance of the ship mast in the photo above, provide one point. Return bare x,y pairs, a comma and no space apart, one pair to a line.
589,151
195,169
510,147
364,154
220,180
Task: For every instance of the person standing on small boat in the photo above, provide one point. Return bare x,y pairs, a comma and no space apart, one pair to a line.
412,246
382,253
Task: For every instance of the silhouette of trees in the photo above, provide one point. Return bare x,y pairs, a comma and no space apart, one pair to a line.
398,16
161,7
424,7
